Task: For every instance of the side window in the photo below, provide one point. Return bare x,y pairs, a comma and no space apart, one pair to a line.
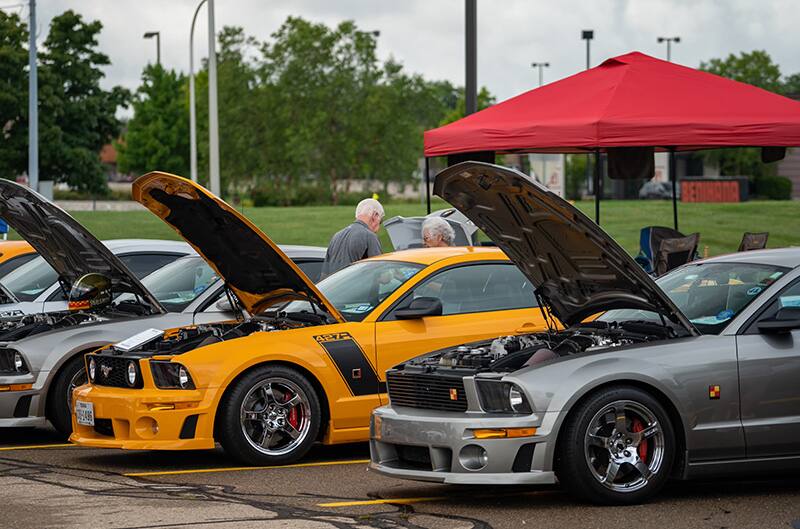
311,268
15,262
142,264
477,288
788,297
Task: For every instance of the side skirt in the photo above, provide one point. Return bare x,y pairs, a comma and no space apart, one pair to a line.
742,467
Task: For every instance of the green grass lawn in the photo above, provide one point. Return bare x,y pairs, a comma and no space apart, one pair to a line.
720,225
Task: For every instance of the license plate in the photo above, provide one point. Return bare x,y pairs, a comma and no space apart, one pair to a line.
84,413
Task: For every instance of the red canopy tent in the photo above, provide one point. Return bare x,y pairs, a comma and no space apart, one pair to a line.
633,100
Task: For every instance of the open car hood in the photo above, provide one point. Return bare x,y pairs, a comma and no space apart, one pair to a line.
253,267
577,268
66,245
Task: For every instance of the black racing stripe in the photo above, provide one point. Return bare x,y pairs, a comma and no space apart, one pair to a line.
351,360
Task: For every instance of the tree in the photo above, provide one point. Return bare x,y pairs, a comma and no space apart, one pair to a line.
791,85
485,100
755,68
157,136
77,117
13,96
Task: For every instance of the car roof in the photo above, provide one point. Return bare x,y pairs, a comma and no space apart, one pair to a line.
428,256
788,257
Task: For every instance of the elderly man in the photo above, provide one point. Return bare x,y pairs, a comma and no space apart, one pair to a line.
358,240
437,232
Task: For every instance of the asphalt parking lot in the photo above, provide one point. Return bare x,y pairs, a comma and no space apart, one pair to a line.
47,483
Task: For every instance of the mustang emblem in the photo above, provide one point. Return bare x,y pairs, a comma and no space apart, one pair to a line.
106,370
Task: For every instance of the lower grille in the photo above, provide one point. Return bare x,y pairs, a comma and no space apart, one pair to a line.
113,371
414,457
426,391
104,427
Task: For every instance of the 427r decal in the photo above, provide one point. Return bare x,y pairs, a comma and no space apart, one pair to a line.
351,362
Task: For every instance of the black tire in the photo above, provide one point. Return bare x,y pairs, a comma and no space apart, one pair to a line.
239,436
638,463
59,412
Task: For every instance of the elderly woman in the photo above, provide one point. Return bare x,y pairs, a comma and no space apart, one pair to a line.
437,232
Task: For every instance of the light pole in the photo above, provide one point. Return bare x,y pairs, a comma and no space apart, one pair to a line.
192,112
541,66
157,35
33,103
471,41
669,41
213,128
587,35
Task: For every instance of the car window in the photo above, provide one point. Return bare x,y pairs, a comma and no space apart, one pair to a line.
310,267
484,287
710,295
356,290
788,297
14,262
143,264
28,281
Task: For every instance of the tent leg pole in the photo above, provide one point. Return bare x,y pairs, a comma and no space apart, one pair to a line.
673,176
598,187
427,185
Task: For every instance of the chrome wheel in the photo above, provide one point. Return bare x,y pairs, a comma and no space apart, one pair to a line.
275,416
624,446
77,380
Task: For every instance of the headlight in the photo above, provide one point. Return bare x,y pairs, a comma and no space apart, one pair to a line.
92,369
502,397
12,362
170,375
131,373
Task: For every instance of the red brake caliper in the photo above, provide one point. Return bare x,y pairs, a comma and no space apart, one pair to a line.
637,426
293,417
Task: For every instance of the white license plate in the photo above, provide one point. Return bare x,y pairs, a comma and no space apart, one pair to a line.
84,413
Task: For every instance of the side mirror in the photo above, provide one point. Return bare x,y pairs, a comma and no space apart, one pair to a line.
786,320
224,305
419,308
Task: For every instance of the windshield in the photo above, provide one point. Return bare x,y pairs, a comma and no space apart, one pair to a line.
179,283
708,294
355,291
31,279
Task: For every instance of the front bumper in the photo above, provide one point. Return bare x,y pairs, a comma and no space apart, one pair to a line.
438,446
142,419
18,408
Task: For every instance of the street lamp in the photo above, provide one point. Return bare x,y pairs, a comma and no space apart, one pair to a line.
587,35
541,66
213,122
192,112
669,41
471,54
157,35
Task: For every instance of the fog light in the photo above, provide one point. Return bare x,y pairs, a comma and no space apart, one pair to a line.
146,427
473,457
131,373
92,369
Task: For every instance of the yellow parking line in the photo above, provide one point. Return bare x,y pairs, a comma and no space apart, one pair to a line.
36,447
242,469
393,501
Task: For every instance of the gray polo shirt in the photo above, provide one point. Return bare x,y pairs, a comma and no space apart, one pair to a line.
351,244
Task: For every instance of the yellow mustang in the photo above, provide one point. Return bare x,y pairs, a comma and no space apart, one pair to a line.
304,362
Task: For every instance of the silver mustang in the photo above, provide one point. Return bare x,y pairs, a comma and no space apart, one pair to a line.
694,376
41,355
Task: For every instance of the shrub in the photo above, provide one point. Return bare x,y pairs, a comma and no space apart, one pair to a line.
773,187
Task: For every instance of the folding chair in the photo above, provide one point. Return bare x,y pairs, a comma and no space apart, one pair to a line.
753,241
673,253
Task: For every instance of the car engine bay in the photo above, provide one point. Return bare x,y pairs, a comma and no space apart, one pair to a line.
511,353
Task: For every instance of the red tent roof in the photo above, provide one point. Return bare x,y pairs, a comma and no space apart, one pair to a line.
630,100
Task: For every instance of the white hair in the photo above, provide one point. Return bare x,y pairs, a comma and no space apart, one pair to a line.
439,226
368,207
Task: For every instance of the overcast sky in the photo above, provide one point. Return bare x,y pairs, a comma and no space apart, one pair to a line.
427,35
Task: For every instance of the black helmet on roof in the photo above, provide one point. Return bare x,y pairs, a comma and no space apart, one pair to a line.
90,292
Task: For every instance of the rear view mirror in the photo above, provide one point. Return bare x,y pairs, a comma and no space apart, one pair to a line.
419,308
224,305
787,319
